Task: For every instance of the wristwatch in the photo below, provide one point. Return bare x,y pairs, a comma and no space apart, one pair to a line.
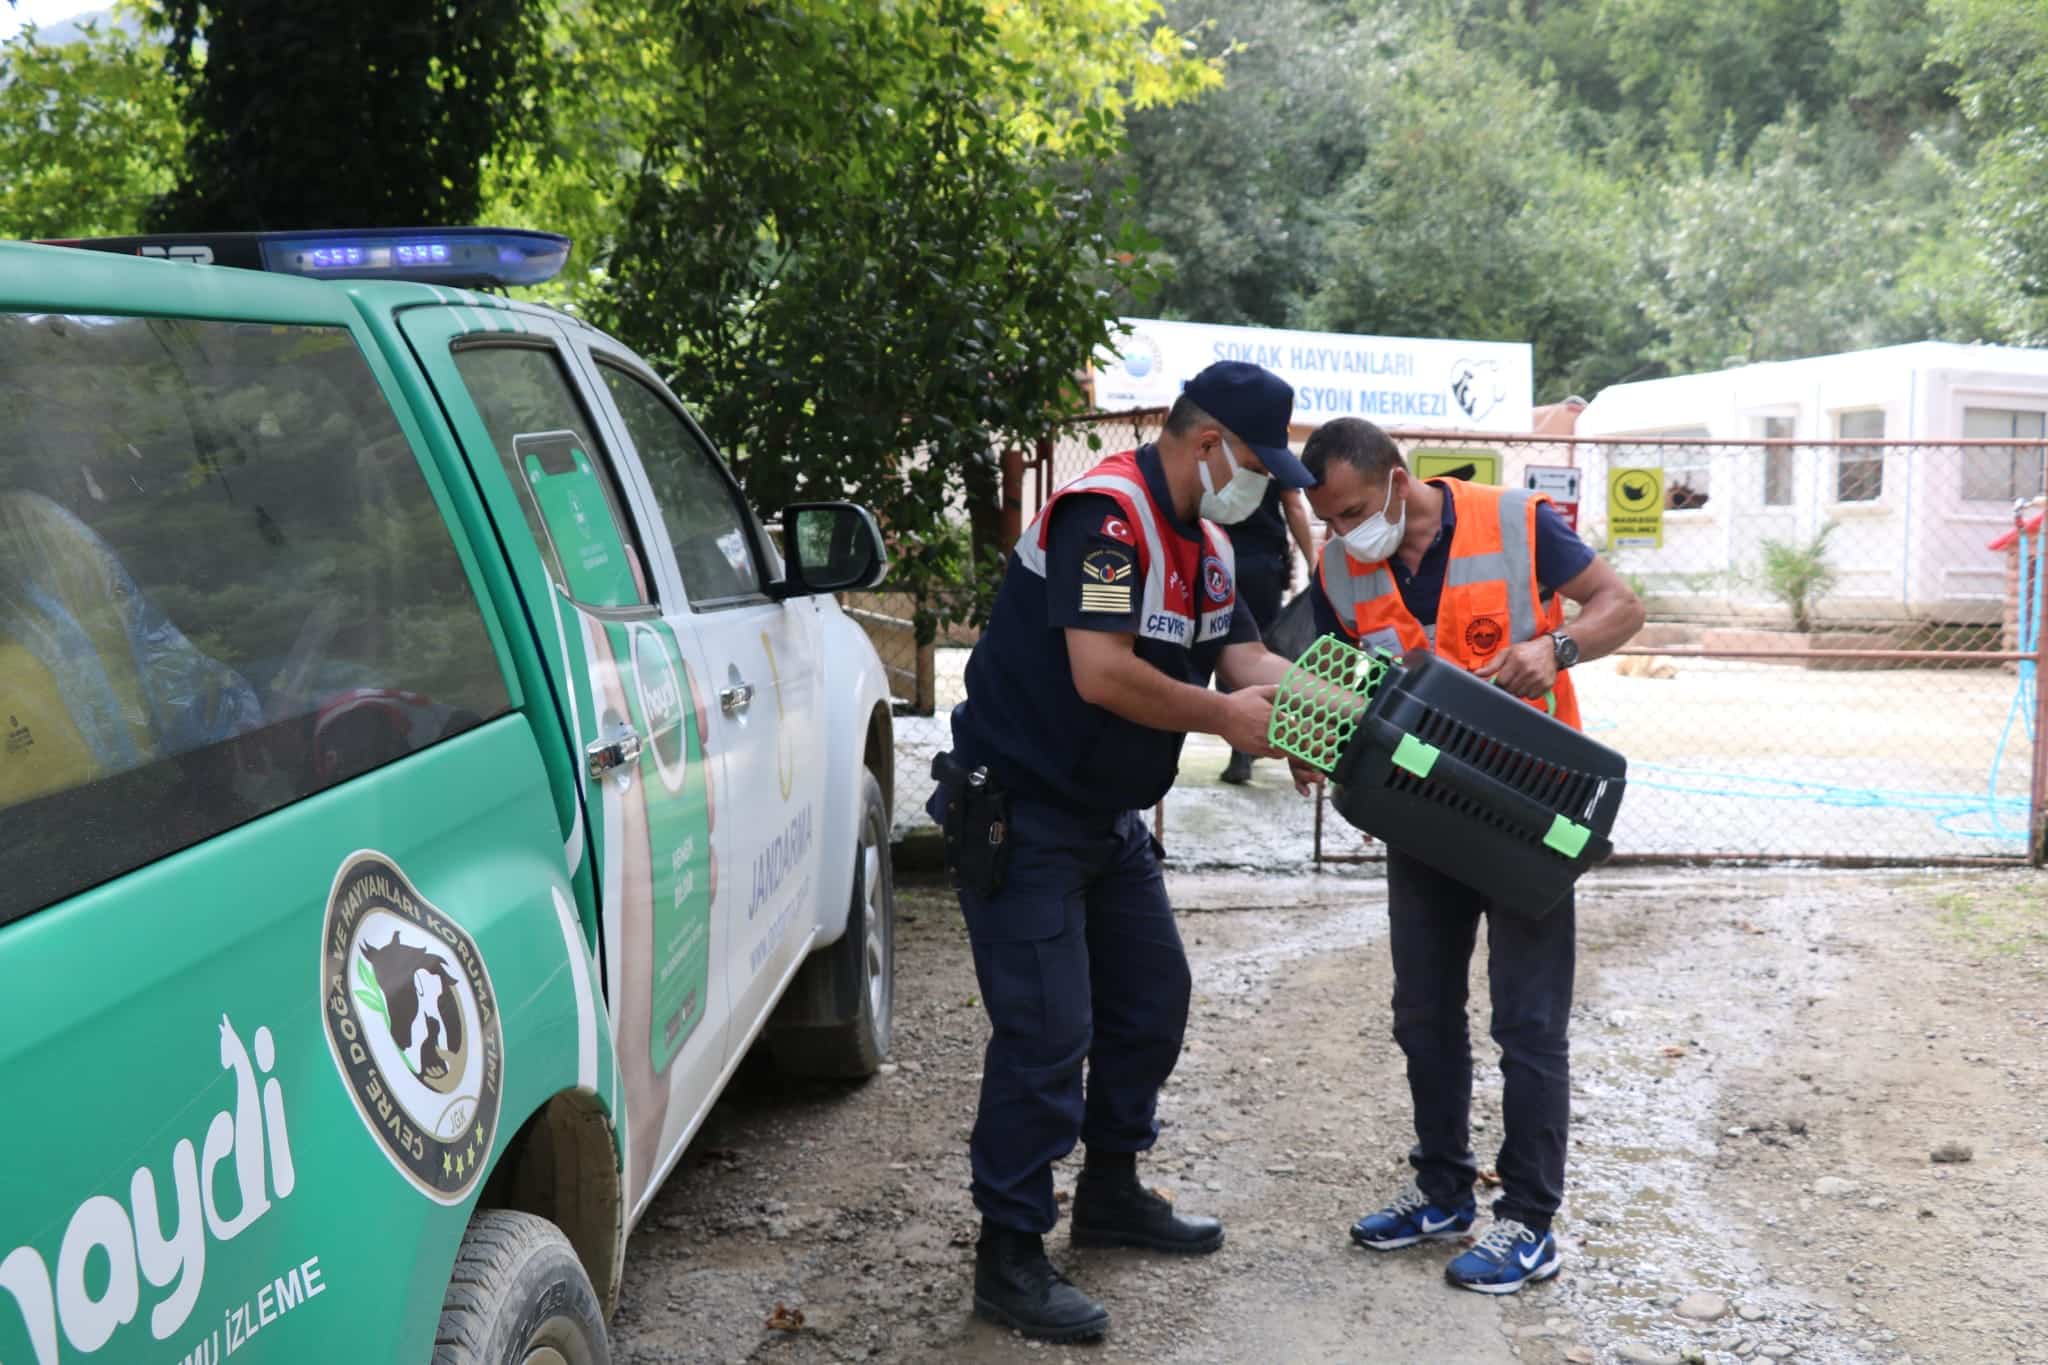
1565,648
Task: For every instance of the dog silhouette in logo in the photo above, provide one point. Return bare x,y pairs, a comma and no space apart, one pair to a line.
1477,386
425,1015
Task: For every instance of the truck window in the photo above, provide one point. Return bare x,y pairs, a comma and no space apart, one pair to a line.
566,490
224,586
707,523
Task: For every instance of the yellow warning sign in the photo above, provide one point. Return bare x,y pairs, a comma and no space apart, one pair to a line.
1473,466
1635,507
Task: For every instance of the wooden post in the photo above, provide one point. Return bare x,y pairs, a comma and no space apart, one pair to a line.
1041,472
1012,522
1319,825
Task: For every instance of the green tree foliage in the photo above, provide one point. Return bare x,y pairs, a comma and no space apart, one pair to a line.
1765,258
1470,217
1892,71
1695,75
379,113
1231,183
2001,52
88,133
606,74
863,268
1634,186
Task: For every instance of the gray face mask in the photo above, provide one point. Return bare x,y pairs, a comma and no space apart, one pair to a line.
1375,539
1237,499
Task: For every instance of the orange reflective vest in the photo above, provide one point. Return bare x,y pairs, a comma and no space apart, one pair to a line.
1491,598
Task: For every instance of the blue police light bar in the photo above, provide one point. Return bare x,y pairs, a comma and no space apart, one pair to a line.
490,257
474,258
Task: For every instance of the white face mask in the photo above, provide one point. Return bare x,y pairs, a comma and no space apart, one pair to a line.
1375,539
1237,499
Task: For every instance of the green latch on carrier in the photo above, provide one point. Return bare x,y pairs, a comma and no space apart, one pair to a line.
1567,837
1322,699
1417,757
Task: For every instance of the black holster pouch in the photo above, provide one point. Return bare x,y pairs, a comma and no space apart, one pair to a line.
975,820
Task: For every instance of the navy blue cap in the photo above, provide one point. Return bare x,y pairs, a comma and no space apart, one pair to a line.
1256,405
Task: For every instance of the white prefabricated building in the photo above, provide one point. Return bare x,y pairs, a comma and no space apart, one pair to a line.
1913,522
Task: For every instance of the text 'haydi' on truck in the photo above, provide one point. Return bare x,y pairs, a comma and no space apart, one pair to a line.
421,780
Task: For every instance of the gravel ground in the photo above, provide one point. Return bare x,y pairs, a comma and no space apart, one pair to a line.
1776,1077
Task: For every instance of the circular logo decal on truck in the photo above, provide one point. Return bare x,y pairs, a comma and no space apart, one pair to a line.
412,1023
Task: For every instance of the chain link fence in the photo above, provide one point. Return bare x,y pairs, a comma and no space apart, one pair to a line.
1842,661
1082,444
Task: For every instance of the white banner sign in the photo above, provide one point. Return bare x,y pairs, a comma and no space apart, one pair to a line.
1391,381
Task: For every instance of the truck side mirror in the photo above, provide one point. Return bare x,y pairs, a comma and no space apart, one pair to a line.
830,547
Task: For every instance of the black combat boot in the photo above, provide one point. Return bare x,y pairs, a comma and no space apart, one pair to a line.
1015,1286
1239,770
1113,1209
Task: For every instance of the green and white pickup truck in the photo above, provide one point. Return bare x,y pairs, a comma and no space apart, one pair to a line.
421,781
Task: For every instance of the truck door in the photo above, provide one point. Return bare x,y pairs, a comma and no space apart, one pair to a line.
763,656
636,695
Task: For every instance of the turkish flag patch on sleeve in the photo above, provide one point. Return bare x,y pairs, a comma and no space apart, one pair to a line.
1116,528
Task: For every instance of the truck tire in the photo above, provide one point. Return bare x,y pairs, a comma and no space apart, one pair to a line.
519,1296
851,984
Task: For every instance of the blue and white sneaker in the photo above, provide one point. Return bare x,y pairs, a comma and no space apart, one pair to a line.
1411,1218
1509,1256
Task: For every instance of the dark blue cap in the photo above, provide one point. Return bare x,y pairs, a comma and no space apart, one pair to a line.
1256,405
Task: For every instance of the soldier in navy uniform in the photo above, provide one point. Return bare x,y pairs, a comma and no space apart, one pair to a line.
1117,608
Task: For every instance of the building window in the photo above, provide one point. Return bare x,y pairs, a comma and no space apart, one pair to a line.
2002,473
1859,474
1777,462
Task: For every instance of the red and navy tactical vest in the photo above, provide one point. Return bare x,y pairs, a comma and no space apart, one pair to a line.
1023,717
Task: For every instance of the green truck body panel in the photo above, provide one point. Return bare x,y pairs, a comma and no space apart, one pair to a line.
257,1086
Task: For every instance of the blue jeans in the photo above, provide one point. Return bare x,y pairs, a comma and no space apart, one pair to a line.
1081,966
1433,922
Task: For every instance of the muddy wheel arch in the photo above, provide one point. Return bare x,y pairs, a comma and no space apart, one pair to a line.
563,1165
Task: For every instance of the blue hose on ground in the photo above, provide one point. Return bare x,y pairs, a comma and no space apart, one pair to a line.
1948,809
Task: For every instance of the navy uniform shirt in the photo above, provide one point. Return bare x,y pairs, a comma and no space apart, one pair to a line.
1024,718
1560,557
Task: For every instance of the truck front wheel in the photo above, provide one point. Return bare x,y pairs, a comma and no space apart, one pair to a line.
519,1297
849,985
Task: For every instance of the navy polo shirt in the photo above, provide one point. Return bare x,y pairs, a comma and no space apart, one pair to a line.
1024,718
1560,557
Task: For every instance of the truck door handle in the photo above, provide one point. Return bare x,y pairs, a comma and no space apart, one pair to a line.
620,749
735,699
